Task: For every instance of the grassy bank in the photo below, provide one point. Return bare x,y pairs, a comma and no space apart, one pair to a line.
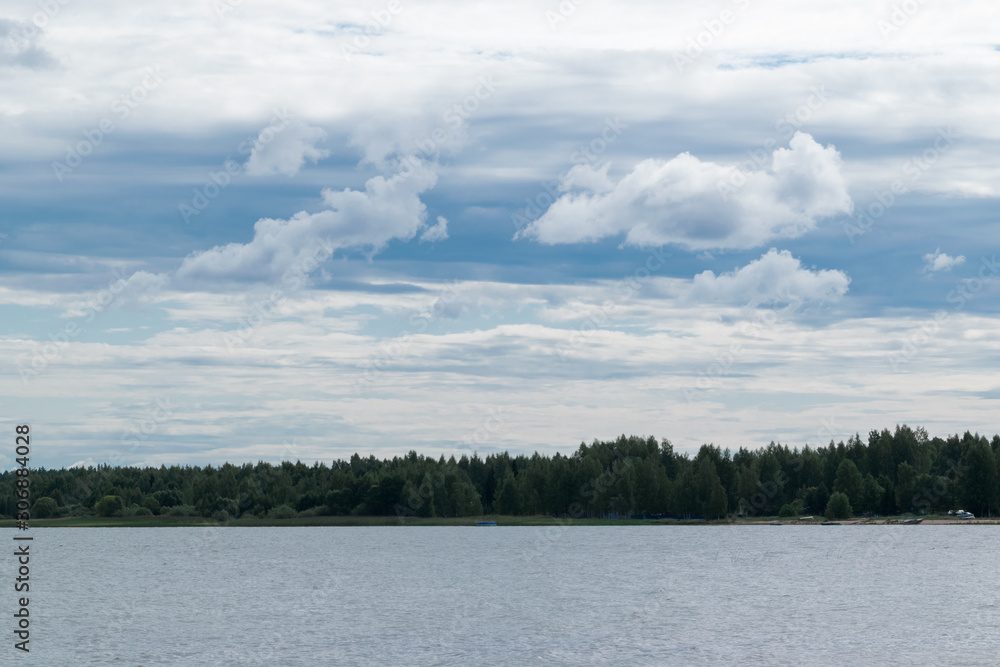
167,521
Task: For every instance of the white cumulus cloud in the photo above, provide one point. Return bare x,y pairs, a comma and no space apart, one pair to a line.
775,278
939,261
438,232
283,149
700,205
387,209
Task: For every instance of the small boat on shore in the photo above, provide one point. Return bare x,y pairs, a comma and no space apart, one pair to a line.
806,518
962,514
486,523
912,522
830,523
776,523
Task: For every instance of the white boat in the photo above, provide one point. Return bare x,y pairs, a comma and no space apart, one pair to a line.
962,514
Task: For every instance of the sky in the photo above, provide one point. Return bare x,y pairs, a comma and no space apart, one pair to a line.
247,230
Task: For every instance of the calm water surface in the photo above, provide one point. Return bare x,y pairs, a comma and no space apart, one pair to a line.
790,595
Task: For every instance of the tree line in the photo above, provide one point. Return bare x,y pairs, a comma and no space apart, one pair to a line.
631,476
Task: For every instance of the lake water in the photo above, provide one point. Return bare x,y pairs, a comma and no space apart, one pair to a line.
790,595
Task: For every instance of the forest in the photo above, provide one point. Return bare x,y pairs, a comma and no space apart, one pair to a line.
891,473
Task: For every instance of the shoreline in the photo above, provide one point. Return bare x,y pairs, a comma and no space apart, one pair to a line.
368,521
890,521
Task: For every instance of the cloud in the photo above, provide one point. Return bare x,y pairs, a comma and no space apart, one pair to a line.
388,208
283,149
419,132
699,205
136,291
142,287
18,47
605,379
775,278
438,232
939,261
586,177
